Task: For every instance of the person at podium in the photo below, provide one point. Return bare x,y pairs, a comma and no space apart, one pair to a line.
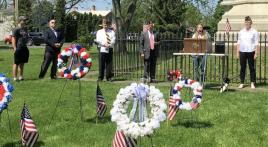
199,60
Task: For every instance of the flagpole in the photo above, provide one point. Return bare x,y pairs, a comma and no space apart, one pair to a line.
54,112
9,125
0,118
152,143
81,104
97,105
168,105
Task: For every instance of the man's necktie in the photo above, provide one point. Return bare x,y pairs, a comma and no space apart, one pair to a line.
152,41
108,38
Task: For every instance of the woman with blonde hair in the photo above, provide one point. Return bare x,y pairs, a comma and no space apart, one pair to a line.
198,59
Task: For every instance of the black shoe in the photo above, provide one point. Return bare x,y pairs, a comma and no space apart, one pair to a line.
153,81
110,80
54,78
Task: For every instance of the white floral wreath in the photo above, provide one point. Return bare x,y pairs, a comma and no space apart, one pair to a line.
197,91
129,94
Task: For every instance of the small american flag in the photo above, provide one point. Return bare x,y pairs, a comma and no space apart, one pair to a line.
120,140
172,108
101,105
228,27
29,133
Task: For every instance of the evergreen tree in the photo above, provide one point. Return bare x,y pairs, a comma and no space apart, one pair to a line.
60,14
25,9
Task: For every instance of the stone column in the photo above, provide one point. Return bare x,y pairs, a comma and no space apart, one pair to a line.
236,10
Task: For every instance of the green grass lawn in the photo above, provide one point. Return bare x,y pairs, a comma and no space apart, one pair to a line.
235,118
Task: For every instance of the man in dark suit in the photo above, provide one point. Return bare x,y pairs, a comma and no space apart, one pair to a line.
149,43
54,42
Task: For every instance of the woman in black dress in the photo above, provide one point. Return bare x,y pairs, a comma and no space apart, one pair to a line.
21,52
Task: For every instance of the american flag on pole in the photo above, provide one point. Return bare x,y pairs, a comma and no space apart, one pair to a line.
101,105
228,27
120,140
29,133
172,108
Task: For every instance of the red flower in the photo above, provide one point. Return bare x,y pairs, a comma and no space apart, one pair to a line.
2,92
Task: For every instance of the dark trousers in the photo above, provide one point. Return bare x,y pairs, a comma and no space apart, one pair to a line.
199,63
150,65
48,58
106,63
244,58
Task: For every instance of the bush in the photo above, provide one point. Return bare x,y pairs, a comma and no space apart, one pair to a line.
86,41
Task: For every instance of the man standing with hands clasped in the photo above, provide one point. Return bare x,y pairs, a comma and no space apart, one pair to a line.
247,47
105,39
54,42
148,49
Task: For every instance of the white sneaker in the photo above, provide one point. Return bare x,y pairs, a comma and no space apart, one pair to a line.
253,86
21,78
241,86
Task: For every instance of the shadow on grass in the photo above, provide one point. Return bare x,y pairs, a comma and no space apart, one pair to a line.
18,144
217,87
194,124
5,47
103,120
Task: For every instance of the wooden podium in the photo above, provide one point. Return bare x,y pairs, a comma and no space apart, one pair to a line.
192,45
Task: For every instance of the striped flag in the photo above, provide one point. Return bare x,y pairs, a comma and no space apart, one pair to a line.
172,108
228,27
101,105
120,140
29,133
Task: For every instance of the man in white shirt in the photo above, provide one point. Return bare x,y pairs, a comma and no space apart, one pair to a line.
247,46
106,40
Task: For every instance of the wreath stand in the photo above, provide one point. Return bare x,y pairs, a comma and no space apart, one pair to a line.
9,125
141,103
74,61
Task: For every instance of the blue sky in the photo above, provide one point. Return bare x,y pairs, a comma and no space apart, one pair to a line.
100,4
107,4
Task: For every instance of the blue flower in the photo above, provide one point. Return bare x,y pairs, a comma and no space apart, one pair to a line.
9,97
2,75
198,96
10,88
174,91
78,46
186,81
81,68
6,80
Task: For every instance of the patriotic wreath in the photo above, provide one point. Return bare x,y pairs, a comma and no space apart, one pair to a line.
75,52
197,91
135,129
5,92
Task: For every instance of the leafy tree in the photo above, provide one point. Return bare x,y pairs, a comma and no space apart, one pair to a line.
45,8
216,17
25,9
124,11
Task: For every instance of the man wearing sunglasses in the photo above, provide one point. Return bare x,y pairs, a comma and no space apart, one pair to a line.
54,42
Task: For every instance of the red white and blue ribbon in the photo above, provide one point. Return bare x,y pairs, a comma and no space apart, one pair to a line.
197,91
79,58
5,92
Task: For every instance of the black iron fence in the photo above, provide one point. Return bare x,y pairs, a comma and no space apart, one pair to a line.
129,65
